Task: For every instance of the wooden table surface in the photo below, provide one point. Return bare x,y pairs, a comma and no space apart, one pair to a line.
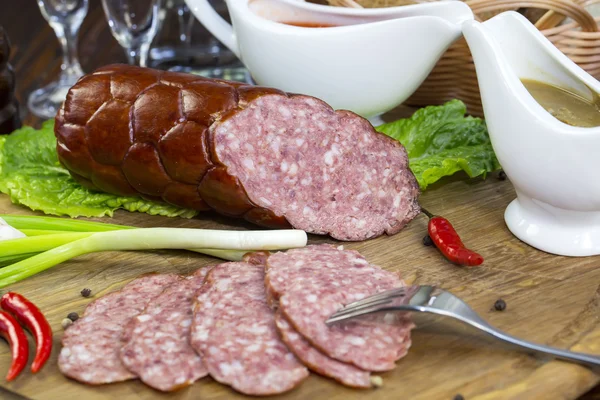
552,300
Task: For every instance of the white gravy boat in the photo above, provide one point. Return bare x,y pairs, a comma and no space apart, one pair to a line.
370,62
554,167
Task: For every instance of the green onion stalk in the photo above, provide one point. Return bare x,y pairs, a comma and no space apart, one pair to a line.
58,224
51,241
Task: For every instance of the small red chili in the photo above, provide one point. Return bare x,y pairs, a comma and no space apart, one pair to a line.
446,239
29,315
17,340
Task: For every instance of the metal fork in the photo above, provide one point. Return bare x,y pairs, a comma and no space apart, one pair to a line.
437,310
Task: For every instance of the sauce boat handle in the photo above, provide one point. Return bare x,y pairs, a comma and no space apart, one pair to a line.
214,23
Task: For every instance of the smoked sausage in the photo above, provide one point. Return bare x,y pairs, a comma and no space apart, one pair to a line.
275,159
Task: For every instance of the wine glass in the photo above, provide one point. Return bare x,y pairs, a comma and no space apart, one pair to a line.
183,45
134,24
65,17
186,22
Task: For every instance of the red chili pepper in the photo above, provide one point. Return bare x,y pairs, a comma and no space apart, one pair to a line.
446,239
16,338
29,315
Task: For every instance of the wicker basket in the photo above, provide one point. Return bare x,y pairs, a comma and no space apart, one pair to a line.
566,23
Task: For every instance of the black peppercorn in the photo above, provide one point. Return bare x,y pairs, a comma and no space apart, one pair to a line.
427,241
502,175
459,397
86,292
73,316
500,305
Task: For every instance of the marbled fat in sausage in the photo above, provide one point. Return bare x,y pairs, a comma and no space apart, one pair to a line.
342,372
257,153
327,265
157,341
91,346
312,283
234,330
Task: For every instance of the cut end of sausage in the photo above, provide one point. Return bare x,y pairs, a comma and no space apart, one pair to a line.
326,172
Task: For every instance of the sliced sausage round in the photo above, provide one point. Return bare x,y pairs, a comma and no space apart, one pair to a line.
157,347
344,373
234,331
91,346
314,282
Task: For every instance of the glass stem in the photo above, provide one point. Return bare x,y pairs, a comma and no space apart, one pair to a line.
70,60
186,21
70,67
138,55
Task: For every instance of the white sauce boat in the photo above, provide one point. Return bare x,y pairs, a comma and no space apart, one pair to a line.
554,167
370,62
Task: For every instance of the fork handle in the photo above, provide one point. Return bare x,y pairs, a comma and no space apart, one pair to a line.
538,349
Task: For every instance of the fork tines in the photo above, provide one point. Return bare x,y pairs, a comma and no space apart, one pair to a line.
367,305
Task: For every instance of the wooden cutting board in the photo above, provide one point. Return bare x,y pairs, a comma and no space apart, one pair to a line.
550,299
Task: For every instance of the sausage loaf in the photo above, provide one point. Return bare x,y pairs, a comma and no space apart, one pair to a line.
272,158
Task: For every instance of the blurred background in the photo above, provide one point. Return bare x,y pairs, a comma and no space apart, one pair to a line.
178,42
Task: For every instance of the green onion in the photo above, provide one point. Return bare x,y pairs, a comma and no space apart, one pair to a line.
147,239
8,260
40,232
60,224
37,244
41,240
38,241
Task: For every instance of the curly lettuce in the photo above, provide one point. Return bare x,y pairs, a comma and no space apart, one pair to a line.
441,140
32,176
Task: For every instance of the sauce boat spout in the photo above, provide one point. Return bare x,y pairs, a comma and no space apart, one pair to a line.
552,164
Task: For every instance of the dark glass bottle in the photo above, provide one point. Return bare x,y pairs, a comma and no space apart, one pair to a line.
9,107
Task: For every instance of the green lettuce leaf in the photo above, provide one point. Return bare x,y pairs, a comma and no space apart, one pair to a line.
31,175
440,141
